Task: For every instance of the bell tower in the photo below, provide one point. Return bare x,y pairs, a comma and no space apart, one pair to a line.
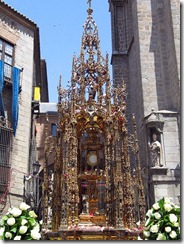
146,53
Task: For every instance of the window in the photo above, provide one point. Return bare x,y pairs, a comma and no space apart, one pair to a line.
6,55
54,129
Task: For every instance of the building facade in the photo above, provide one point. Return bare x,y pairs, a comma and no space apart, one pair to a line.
46,126
146,55
20,71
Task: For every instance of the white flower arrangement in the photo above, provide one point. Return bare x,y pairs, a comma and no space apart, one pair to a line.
162,221
20,224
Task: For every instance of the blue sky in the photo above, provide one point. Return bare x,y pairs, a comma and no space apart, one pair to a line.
61,26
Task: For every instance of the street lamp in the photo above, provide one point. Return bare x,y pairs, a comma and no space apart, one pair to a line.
36,167
30,190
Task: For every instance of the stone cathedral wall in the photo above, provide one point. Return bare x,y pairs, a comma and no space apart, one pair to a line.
150,66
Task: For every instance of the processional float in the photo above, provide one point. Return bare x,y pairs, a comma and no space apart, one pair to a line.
90,195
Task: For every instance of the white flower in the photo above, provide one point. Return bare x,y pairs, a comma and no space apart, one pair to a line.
167,200
24,206
2,231
161,237
8,235
176,224
168,207
173,234
35,235
173,218
23,229
11,221
17,238
156,206
1,222
37,227
32,214
157,215
154,229
146,233
41,222
176,206
23,222
16,212
139,238
149,212
168,229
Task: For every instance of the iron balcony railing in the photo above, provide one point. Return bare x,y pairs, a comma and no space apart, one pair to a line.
6,137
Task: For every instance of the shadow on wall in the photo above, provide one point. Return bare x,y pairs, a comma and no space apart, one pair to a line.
163,46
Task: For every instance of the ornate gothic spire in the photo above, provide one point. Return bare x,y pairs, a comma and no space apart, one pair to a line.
92,125
90,69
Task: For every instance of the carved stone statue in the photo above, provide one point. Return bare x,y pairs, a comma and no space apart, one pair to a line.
155,152
84,205
92,91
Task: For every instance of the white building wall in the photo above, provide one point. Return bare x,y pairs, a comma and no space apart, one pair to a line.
23,39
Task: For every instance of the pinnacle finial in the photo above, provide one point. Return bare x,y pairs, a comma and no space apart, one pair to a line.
60,79
90,11
89,1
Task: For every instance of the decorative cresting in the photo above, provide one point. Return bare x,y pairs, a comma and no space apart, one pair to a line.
92,179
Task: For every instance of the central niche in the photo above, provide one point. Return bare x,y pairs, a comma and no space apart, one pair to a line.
91,177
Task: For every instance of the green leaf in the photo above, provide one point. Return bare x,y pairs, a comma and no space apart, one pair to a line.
13,229
28,237
177,211
5,217
23,217
161,202
31,221
167,236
